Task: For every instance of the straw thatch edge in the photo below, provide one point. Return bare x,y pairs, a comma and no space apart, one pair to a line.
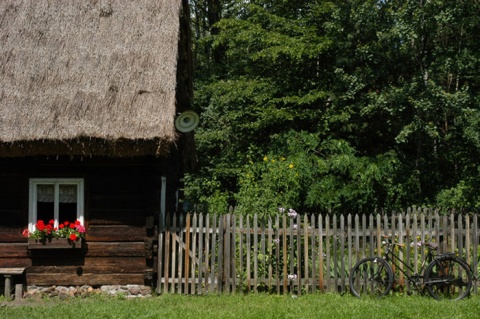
87,146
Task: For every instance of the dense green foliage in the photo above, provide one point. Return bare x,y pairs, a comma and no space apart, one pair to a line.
336,105
262,306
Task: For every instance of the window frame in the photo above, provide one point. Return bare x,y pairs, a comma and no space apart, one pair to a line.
32,205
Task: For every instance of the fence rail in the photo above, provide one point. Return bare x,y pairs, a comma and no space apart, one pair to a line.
200,254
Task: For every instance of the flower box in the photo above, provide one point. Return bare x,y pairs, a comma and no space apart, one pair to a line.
54,243
67,235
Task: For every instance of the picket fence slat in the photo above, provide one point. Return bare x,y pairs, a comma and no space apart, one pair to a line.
205,253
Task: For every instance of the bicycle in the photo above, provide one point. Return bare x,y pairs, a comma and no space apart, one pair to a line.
444,276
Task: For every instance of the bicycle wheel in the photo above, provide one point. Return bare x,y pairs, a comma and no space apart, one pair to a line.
371,276
448,278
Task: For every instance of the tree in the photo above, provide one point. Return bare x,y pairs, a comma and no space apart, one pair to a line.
377,101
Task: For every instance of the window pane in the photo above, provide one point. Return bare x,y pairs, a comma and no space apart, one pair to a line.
68,212
68,193
45,193
45,211
45,207
68,203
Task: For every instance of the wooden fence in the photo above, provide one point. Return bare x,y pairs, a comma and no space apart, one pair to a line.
200,254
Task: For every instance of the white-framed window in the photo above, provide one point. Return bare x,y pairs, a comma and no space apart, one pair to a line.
60,199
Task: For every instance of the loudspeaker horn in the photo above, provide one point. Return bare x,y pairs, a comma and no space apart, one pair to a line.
187,121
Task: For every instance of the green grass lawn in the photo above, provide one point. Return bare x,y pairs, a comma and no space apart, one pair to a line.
239,306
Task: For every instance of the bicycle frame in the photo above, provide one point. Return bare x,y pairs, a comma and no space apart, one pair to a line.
415,278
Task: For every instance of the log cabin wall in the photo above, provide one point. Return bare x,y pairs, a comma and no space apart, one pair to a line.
122,204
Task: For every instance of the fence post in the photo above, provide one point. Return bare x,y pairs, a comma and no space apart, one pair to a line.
285,254
201,238
213,252
320,253
249,259
227,255
467,238
263,252
233,254
342,252
349,242
328,270
335,252
194,242
298,232
306,272
313,250
277,252
270,253
475,252
255,253
207,279
220,271
241,266
187,254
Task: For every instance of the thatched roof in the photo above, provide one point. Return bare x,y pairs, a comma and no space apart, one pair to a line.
88,77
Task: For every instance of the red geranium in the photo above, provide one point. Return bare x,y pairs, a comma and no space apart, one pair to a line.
71,230
40,225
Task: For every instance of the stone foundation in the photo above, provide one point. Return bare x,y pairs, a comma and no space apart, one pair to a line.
63,292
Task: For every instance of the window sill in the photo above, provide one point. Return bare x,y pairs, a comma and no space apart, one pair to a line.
54,243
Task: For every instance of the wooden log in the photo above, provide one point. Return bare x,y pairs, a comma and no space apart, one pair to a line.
94,265
12,234
115,233
13,250
15,262
119,216
93,279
